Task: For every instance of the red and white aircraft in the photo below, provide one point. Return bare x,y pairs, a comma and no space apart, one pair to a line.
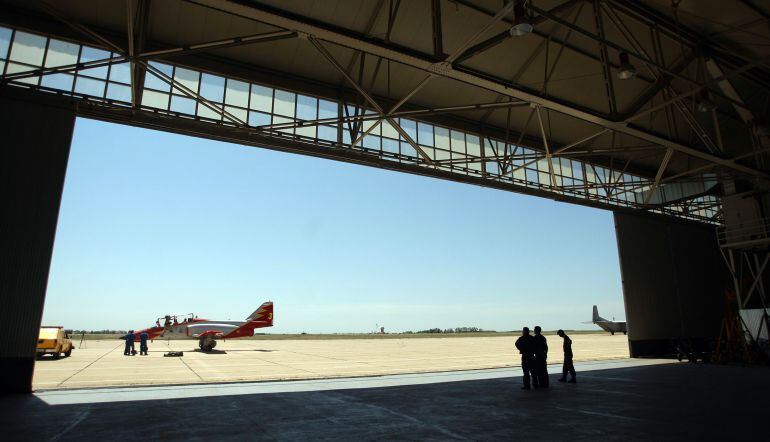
207,331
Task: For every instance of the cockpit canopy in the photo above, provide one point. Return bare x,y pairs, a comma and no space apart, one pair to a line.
174,319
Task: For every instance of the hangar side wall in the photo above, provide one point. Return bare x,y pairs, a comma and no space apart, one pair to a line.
674,281
33,160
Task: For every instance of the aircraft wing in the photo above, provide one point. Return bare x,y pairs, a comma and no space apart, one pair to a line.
212,333
210,329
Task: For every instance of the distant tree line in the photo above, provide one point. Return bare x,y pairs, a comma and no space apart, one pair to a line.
98,332
448,330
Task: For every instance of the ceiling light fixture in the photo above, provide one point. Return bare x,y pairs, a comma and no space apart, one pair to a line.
704,102
522,25
626,70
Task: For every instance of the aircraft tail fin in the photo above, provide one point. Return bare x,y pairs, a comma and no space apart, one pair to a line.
263,313
596,317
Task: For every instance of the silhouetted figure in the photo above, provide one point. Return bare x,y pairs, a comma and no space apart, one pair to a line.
541,358
568,367
143,337
525,345
129,351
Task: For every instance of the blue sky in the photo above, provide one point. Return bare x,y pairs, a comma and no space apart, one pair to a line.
153,222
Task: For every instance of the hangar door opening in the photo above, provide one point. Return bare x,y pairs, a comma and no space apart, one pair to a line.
369,272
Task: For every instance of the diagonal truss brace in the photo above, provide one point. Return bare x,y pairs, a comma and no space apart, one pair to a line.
368,98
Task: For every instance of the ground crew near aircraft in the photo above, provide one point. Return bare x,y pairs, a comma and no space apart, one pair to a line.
143,337
525,345
541,358
568,366
129,351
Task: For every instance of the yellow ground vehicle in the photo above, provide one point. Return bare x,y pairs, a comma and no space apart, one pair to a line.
53,341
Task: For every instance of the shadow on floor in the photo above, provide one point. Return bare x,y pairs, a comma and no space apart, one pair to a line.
223,352
669,401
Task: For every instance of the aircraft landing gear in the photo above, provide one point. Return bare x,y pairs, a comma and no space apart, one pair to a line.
207,344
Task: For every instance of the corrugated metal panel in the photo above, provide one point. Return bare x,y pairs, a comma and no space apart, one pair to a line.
674,281
753,319
34,152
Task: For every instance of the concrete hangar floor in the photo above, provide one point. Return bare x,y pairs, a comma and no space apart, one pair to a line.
615,398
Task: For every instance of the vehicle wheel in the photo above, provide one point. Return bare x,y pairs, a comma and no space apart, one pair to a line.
612,333
56,355
68,353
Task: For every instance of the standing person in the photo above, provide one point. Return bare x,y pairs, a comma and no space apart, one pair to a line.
541,357
129,350
525,346
568,367
143,343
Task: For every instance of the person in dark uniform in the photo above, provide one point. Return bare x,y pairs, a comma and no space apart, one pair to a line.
541,357
568,367
143,343
129,351
525,346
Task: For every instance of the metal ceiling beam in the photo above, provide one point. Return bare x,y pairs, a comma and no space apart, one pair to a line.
684,110
367,31
139,40
609,87
353,40
131,51
539,33
695,90
505,35
484,45
407,113
449,59
247,136
678,32
754,7
159,54
263,37
660,84
661,170
632,53
524,66
371,100
438,35
146,67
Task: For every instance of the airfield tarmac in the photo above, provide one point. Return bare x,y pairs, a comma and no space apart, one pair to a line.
100,363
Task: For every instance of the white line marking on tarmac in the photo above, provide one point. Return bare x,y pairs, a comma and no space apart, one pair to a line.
597,413
78,419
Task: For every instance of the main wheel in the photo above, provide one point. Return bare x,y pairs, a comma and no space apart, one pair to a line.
68,352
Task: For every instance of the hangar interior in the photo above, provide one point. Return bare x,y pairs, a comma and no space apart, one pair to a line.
655,110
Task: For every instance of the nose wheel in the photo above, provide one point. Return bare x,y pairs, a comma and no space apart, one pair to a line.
207,344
